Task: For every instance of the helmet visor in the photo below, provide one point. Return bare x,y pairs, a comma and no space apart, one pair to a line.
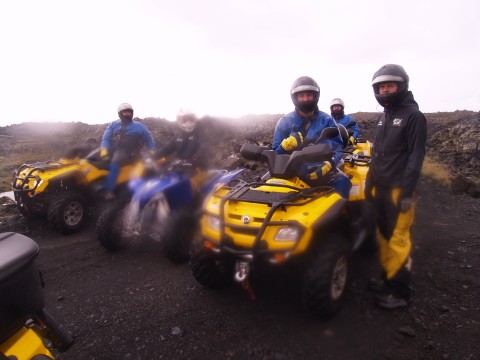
387,78
305,88
187,122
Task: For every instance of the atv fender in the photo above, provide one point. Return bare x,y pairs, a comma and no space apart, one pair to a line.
331,215
326,278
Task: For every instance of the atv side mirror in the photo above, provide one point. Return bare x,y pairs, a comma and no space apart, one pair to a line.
328,133
344,134
251,151
351,123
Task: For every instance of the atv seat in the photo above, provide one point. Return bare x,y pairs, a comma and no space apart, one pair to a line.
94,158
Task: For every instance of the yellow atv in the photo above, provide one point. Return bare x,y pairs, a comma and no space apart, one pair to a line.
360,146
64,190
24,322
283,221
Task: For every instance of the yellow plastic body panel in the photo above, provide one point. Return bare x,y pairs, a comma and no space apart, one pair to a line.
236,211
357,175
129,172
294,182
44,176
363,147
24,345
84,172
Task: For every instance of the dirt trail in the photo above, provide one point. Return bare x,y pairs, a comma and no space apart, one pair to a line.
137,305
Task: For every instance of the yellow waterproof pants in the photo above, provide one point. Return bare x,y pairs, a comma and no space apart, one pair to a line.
393,232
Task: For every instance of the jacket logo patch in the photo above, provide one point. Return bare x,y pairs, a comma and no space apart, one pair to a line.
397,122
380,123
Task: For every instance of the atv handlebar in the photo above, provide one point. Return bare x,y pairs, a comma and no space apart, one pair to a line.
357,159
178,166
286,165
327,133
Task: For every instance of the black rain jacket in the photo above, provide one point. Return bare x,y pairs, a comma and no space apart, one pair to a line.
399,147
190,147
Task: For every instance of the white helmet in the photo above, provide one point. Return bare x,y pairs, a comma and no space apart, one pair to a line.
125,118
124,106
337,101
187,121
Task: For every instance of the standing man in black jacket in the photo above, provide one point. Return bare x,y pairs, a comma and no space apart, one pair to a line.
394,171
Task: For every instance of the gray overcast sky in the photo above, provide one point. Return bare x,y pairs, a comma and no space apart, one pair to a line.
77,60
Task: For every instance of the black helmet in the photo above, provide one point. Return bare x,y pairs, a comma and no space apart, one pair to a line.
305,83
390,73
125,106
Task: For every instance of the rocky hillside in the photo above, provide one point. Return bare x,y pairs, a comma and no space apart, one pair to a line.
453,141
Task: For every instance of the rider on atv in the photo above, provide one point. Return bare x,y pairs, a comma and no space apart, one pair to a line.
188,145
121,143
302,127
337,107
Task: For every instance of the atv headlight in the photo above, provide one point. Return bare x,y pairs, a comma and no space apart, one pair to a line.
214,222
288,234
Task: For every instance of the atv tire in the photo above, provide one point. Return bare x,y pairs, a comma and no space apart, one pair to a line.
109,227
178,237
210,272
30,215
325,280
155,218
67,213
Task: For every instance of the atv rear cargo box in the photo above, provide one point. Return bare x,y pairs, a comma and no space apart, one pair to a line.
20,286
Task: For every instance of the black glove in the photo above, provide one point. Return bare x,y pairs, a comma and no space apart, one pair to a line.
406,204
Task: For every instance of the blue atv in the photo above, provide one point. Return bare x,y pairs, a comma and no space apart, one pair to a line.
162,208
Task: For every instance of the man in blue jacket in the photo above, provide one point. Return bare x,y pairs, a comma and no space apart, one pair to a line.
391,181
122,143
337,109
304,125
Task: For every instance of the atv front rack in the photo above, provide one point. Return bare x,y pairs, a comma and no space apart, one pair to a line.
20,183
243,192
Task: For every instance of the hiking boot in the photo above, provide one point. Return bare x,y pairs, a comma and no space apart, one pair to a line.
377,285
391,301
